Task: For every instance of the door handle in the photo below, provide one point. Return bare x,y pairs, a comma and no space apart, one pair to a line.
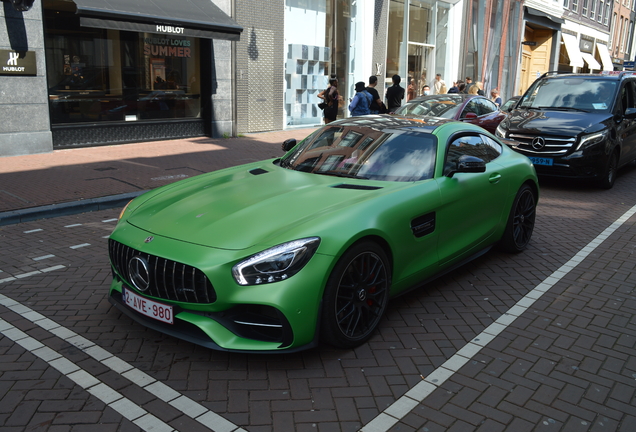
494,178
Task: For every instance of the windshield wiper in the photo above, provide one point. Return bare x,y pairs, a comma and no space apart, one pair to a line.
562,108
337,174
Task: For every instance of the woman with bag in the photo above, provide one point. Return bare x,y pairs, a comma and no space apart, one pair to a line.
330,97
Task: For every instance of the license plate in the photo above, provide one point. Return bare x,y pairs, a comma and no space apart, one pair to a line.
153,309
541,161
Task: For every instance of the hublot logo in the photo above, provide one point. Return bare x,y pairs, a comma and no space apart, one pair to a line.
169,29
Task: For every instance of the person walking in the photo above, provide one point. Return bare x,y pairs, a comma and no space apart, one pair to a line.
394,94
330,96
361,102
377,106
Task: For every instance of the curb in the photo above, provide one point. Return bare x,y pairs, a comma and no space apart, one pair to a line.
67,208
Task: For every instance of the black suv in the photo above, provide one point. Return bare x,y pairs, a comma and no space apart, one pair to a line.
576,125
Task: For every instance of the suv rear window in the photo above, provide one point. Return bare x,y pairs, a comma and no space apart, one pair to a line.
570,93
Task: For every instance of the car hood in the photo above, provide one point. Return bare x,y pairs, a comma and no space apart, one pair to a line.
245,206
563,123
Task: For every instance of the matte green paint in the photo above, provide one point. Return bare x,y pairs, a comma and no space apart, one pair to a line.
215,220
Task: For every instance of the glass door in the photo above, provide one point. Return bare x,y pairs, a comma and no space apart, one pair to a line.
420,68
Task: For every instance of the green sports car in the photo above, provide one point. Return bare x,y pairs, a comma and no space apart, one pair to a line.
281,254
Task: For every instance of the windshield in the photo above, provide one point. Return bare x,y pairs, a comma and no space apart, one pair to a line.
571,93
441,106
365,153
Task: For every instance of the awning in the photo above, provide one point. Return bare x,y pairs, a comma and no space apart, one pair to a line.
605,57
591,61
541,14
572,47
196,18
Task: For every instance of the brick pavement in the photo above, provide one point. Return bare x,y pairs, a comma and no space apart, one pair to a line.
83,173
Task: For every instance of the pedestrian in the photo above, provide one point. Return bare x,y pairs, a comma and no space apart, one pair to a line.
469,83
476,89
411,90
455,87
361,102
377,106
439,84
330,96
394,94
462,88
426,90
494,96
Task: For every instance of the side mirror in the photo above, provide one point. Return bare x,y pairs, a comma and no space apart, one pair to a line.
289,144
630,113
468,164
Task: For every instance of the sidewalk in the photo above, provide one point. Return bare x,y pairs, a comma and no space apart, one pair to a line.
93,178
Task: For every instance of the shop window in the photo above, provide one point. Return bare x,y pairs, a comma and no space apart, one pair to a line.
99,75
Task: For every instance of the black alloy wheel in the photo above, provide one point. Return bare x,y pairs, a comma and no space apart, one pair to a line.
611,170
520,222
356,296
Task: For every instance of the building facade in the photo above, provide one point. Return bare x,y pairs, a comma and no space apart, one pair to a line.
586,36
114,74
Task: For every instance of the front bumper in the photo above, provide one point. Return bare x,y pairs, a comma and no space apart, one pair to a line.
281,316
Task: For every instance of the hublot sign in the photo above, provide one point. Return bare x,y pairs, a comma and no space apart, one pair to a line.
18,63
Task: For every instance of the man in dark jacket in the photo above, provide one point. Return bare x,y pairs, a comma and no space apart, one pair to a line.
394,94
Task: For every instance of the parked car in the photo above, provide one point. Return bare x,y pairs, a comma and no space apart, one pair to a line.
474,109
509,104
277,255
576,125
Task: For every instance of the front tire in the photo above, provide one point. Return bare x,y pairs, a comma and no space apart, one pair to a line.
611,170
520,221
356,296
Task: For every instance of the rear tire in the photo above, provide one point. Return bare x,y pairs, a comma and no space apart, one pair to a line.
520,221
356,296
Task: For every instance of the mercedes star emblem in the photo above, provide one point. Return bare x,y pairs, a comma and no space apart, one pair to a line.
139,273
538,143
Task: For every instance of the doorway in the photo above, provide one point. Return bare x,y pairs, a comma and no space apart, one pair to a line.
420,66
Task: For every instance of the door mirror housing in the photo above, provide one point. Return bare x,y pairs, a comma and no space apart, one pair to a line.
289,144
468,164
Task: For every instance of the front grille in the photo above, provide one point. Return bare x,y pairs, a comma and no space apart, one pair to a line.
554,145
168,279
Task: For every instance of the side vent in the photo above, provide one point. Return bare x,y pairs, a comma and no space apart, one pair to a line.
356,187
423,225
258,171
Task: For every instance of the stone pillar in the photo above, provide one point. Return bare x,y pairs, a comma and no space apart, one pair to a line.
25,126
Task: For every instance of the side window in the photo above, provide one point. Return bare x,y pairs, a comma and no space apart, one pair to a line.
487,106
627,96
479,146
471,107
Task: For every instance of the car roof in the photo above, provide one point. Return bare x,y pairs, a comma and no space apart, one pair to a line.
597,76
446,96
395,121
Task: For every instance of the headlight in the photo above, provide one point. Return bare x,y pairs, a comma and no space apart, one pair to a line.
500,131
275,264
121,214
592,139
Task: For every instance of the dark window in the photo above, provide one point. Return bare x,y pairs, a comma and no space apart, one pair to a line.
97,75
